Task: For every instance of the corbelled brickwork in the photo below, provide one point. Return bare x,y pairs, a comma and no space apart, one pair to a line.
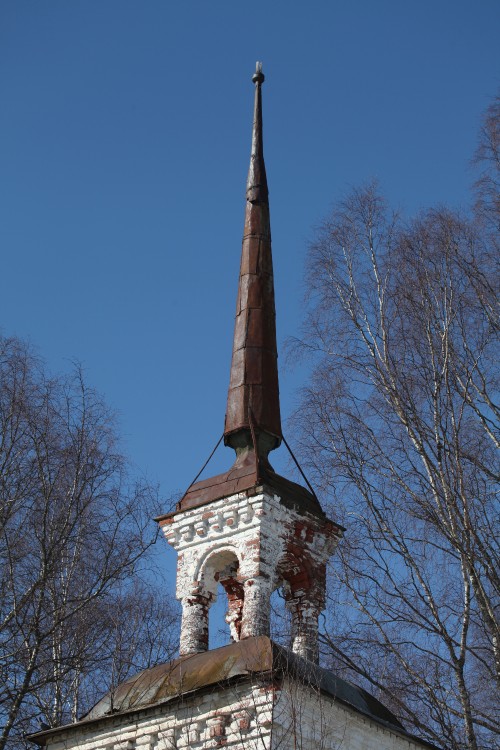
252,544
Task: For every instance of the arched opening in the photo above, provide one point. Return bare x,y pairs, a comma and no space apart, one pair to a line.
225,590
218,627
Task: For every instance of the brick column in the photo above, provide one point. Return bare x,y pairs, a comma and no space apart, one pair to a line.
194,625
305,616
256,607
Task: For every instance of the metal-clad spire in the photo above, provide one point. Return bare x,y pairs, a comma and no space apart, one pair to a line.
253,411
253,423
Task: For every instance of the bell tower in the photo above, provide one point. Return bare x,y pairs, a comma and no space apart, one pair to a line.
250,529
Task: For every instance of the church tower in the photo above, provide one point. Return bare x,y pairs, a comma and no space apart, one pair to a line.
250,529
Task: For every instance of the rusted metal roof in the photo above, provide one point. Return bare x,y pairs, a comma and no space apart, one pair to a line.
253,397
252,658
247,475
188,673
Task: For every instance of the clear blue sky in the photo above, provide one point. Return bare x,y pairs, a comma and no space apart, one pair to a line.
124,145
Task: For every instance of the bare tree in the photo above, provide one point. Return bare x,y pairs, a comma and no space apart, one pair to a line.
73,529
487,161
400,425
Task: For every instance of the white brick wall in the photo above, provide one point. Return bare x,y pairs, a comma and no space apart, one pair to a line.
304,719
237,717
244,716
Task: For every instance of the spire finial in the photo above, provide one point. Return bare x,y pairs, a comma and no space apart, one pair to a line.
257,182
258,76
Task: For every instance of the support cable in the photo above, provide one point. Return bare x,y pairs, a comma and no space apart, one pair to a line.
299,468
205,464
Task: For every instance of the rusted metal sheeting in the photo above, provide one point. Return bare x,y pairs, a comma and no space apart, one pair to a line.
253,388
257,658
244,477
181,676
252,656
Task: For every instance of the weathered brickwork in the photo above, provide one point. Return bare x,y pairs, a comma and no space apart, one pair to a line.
310,720
236,717
239,717
251,544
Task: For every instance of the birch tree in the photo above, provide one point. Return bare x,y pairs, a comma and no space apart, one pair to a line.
75,530
399,425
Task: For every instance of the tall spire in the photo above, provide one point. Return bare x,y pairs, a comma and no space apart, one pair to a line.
253,423
253,410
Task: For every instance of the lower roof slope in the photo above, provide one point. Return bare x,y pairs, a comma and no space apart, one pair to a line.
256,657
